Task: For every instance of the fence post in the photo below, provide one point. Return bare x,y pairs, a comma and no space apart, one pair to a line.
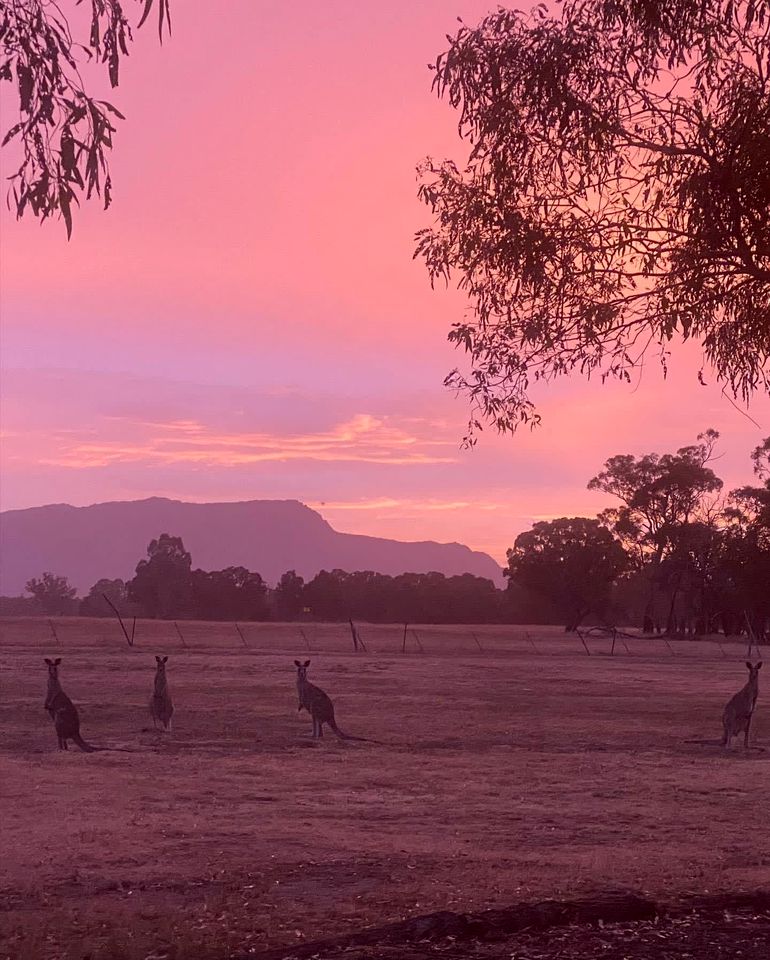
181,635
129,640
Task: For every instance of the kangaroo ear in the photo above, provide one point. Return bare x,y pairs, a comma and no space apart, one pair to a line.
307,663
165,659
157,658
57,661
50,662
749,664
297,663
759,665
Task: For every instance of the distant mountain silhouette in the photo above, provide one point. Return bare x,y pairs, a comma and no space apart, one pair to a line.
267,536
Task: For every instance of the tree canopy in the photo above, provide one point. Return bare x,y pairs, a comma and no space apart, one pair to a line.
162,585
616,197
658,494
64,133
53,593
573,561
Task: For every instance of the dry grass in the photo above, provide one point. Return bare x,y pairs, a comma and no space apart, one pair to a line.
503,774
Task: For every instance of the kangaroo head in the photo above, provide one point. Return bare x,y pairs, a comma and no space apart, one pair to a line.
161,664
53,667
753,670
302,669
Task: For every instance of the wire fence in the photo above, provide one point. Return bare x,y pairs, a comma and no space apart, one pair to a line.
357,638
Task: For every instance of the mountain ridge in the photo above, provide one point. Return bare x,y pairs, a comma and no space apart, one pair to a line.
268,536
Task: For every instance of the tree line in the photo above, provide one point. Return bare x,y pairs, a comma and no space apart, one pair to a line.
675,554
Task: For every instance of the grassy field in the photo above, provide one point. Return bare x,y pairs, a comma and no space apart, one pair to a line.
511,766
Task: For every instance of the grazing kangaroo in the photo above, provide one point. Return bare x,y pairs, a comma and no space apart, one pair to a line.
319,705
161,706
740,709
62,710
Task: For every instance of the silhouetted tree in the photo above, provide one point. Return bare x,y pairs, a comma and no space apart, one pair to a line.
661,496
324,595
94,605
572,561
64,132
19,607
616,195
409,597
288,595
746,555
53,593
163,582
234,593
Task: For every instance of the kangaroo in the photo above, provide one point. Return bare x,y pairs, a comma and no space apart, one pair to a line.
740,709
62,710
161,707
319,705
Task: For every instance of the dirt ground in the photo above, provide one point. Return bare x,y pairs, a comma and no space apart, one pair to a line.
511,766
695,937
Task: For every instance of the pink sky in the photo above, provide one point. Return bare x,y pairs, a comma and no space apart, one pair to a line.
246,321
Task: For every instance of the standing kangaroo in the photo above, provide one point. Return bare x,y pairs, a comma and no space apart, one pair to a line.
740,709
319,705
161,706
62,710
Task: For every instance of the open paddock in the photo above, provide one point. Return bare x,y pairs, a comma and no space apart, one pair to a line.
511,765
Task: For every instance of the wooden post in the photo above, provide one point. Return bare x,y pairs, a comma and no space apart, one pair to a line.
53,631
417,641
752,636
240,633
357,641
582,640
477,642
614,638
181,635
403,642
129,640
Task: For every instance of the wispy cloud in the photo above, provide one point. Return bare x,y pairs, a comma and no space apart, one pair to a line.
363,438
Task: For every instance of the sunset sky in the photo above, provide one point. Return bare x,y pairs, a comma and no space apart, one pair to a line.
247,322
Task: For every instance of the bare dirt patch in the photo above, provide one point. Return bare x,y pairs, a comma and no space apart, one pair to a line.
503,775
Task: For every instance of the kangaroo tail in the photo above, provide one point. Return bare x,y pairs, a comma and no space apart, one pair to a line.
85,747
348,736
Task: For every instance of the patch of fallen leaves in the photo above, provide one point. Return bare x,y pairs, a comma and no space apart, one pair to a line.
692,937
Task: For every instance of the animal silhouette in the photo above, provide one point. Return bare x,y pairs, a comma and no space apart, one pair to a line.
319,705
739,711
161,707
62,710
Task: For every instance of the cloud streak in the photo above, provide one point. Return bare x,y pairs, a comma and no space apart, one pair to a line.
363,438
